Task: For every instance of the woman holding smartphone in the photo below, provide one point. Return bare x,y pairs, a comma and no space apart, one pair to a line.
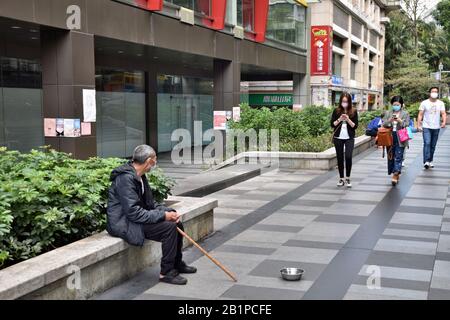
344,122
397,118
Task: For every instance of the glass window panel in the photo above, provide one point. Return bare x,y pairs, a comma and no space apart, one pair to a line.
356,28
353,70
179,107
135,127
337,64
2,124
340,17
121,112
231,14
23,123
111,134
286,23
248,14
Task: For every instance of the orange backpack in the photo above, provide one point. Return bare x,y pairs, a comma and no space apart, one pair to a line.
384,137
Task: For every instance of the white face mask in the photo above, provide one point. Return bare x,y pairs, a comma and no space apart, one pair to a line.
434,95
344,105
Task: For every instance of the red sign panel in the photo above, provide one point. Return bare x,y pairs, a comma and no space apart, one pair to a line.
321,49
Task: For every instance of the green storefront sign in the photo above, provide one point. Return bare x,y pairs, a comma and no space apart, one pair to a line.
270,99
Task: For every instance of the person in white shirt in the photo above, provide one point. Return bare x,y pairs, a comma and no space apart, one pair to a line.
344,122
432,117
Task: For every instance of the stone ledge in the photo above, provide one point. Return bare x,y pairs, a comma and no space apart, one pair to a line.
325,160
104,261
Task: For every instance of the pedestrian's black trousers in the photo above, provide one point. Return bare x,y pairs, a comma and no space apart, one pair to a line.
172,243
344,148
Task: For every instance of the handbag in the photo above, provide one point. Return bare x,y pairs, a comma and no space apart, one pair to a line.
403,135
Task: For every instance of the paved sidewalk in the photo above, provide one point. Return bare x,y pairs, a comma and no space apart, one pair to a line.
300,218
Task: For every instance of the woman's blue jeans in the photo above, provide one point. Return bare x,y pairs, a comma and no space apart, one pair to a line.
395,156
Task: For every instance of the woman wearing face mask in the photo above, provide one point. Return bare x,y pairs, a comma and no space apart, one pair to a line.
344,122
397,118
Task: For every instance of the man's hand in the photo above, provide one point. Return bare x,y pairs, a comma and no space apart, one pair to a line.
443,125
173,216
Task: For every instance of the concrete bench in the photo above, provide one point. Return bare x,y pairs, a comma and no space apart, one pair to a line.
99,262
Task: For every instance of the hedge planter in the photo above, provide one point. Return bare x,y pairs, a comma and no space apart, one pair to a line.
92,265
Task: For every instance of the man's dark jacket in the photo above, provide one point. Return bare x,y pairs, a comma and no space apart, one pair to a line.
128,209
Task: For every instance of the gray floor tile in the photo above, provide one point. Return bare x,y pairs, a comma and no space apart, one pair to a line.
313,244
340,218
255,293
413,227
277,228
359,292
401,260
395,283
271,268
246,249
438,294
406,246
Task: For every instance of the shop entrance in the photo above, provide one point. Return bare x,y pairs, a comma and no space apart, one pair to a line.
181,102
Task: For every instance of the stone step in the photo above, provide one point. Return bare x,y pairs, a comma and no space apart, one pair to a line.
209,182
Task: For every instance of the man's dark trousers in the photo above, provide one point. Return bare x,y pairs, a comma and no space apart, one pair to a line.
172,243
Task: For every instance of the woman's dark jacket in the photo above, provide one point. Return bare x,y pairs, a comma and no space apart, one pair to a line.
351,131
128,209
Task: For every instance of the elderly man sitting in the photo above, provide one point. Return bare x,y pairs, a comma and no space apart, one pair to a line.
134,216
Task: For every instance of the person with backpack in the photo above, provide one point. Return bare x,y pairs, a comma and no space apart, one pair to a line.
397,120
372,127
344,122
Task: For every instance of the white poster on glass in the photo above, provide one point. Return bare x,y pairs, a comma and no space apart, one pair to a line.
89,105
69,128
236,114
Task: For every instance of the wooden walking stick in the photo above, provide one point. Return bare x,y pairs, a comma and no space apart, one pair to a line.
229,273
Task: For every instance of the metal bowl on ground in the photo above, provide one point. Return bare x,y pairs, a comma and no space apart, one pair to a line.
292,274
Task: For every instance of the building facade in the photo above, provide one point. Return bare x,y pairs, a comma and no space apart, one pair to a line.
347,50
153,66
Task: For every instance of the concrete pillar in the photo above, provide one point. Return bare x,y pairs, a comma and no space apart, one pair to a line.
152,110
301,90
68,67
227,85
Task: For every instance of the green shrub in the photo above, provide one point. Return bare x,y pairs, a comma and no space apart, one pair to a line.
48,199
306,131
413,110
447,104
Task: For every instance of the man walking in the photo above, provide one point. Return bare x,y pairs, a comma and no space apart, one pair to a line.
432,117
134,216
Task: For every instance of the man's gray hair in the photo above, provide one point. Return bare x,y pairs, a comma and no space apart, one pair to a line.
142,153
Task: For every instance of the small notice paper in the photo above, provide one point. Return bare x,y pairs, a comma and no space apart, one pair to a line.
220,120
49,127
86,129
89,106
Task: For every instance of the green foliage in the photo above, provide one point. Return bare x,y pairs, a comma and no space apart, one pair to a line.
442,15
410,77
48,199
413,110
415,47
447,103
306,131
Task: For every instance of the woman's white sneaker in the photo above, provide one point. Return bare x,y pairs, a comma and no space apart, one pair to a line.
341,183
348,183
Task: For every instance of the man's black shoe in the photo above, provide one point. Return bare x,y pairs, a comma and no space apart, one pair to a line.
184,268
172,277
